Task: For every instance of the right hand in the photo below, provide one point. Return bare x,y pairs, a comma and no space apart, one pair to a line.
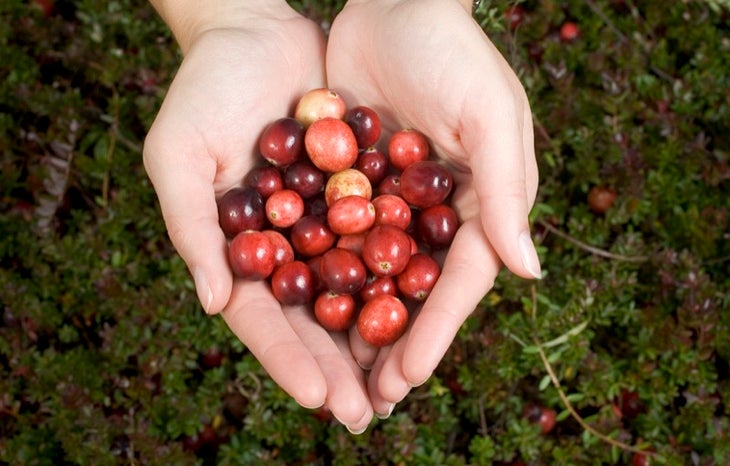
238,75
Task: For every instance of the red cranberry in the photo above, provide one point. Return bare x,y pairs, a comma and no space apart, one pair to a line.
342,271
241,209
406,147
386,250
365,124
335,312
382,320
281,142
293,283
251,255
417,280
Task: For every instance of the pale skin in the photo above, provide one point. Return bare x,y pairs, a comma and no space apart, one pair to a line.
421,63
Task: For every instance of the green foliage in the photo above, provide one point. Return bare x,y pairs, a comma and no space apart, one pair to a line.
106,357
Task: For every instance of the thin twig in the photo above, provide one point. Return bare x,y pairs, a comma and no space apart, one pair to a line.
566,402
592,249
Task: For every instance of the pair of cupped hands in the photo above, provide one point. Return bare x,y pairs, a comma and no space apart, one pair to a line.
423,64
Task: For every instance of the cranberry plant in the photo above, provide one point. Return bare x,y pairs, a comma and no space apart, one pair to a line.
619,355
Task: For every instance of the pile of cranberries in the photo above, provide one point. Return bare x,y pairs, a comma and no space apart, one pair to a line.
334,222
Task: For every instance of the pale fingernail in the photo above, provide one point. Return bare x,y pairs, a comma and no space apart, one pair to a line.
390,411
205,294
529,255
414,385
356,432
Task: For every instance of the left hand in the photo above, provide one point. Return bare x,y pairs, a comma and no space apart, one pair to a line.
427,65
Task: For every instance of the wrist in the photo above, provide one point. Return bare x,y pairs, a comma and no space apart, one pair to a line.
189,19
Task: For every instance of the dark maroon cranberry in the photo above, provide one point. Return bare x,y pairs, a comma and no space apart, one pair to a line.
304,178
241,209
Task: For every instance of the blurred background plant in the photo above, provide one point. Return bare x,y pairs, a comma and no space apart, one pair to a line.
618,356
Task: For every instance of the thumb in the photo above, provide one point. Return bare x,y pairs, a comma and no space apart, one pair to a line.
187,200
503,165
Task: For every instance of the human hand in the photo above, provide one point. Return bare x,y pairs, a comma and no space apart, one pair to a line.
245,65
425,64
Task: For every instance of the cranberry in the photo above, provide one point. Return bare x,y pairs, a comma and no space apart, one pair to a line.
348,182
251,255
375,286
382,320
373,163
417,280
283,251
281,142
335,312
392,210
365,124
515,15
386,250
390,185
342,271
601,198
569,31
310,236
406,147
304,178
436,226
330,144
293,283
284,208
241,209
319,103
351,215
266,180
425,184
544,417
352,242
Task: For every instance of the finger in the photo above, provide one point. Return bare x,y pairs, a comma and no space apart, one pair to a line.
256,318
363,352
184,186
384,402
345,380
438,321
499,147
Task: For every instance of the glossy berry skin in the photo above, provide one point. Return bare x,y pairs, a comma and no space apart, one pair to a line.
365,124
406,147
437,225
417,280
386,250
310,236
284,208
241,209
283,250
304,178
569,31
335,312
392,210
319,103
281,142
352,242
251,255
342,271
382,320
266,180
373,163
348,182
351,215
425,184
390,185
375,286
331,145
293,283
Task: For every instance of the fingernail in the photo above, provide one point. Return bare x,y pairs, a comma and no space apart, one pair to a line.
356,432
414,385
390,411
205,294
529,255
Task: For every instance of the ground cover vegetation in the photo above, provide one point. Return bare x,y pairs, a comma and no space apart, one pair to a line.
619,355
